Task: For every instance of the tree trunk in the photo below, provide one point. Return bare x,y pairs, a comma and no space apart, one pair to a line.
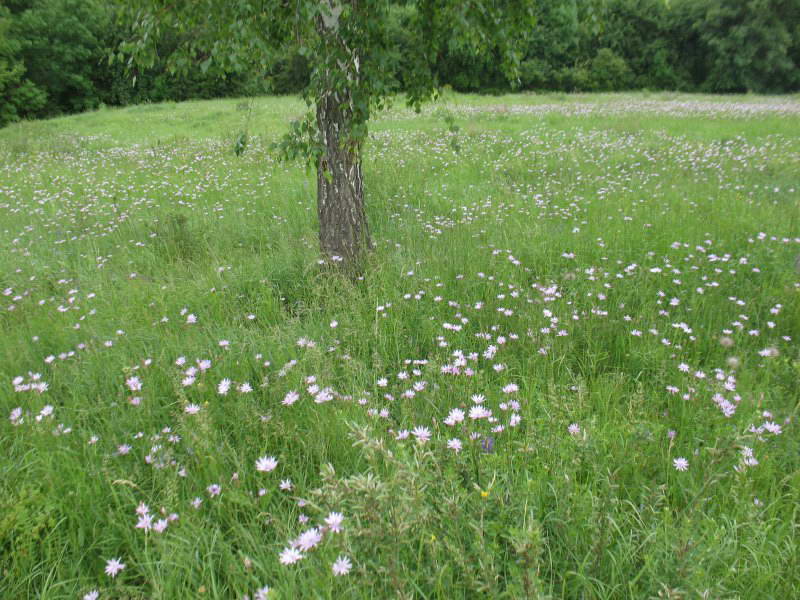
343,231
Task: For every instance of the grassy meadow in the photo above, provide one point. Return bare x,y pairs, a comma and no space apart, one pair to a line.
570,369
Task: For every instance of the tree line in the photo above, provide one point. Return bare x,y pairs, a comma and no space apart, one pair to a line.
54,54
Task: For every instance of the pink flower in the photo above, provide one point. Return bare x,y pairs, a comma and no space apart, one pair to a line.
113,566
309,539
456,416
334,521
342,566
145,522
479,412
423,434
290,398
160,525
681,464
16,416
265,464
262,593
289,556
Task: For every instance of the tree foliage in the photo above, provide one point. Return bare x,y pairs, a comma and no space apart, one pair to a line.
371,48
691,45
61,48
750,44
53,53
17,92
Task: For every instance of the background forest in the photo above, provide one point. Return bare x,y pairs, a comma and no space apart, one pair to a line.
54,54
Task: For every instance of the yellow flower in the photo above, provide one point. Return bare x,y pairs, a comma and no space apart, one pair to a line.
484,493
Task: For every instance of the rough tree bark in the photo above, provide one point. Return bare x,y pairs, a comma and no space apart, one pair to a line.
343,231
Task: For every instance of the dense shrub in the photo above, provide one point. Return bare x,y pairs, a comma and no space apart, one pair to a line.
750,45
17,93
62,48
54,54
60,45
693,45
609,72
290,74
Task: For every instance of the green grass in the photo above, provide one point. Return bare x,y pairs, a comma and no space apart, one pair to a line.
583,248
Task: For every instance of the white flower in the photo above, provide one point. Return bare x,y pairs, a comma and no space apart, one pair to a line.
423,434
681,464
224,386
454,445
289,556
479,412
145,522
308,539
262,593
113,566
334,521
456,416
160,525
342,566
265,464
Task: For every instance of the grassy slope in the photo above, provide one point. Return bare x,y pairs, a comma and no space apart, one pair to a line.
114,220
